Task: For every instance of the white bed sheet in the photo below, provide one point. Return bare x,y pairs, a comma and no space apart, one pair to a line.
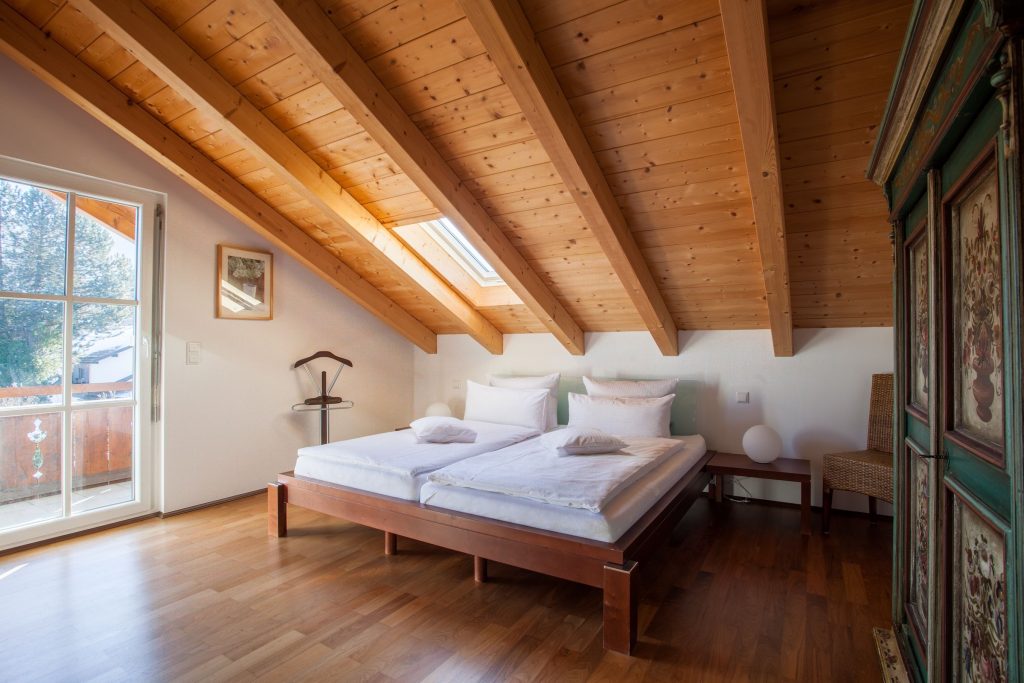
607,525
392,463
532,470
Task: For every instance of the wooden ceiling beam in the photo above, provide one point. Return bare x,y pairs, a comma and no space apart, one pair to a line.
65,73
510,42
322,48
119,218
746,38
143,33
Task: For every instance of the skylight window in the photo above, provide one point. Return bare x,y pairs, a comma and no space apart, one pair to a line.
444,232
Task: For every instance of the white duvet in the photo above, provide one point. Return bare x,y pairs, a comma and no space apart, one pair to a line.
529,470
398,451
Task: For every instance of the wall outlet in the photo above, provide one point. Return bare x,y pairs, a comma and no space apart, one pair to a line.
193,353
458,385
743,397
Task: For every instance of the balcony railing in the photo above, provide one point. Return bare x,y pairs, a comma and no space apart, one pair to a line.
101,444
55,389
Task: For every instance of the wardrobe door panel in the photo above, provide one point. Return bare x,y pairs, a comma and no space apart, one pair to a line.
978,591
917,547
975,379
918,324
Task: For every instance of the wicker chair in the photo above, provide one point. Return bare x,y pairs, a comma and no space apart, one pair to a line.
869,471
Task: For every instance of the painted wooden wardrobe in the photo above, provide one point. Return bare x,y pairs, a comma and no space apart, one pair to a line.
948,156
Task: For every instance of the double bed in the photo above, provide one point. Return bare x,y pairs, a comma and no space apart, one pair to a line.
469,500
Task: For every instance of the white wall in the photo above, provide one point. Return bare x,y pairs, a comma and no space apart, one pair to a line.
227,424
817,400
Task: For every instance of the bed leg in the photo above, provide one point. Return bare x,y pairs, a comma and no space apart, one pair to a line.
479,569
620,606
390,543
277,510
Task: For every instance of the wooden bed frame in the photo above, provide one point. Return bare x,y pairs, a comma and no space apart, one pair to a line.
613,567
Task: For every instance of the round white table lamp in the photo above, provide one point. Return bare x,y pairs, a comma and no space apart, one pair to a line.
438,410
761,443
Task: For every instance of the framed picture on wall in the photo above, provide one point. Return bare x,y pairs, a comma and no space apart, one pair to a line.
245,283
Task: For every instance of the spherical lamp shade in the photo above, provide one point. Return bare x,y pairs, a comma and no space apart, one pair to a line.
439,410
761,443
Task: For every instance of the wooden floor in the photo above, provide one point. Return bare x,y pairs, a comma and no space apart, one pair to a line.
207,596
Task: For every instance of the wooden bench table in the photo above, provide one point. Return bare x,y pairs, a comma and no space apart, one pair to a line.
783,469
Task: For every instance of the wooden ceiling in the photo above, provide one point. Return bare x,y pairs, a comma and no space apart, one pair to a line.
600,154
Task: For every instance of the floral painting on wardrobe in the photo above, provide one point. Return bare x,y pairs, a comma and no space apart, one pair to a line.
919,323
918,597
978,305
979,598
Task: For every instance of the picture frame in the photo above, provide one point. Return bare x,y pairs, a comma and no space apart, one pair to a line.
245,283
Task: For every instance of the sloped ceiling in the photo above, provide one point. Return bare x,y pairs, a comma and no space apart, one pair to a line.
648,82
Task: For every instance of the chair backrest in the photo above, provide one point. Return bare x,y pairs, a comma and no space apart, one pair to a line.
880,413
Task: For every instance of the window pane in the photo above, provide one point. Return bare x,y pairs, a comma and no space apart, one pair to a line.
33,238
31,351
30,469
104,248
101,458
102,351
476,259
444,233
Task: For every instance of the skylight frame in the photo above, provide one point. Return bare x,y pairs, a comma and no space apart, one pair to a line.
451,239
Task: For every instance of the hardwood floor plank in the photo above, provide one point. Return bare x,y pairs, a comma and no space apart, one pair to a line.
206,596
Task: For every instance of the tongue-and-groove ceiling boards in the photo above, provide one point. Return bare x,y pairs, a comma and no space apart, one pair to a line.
599,154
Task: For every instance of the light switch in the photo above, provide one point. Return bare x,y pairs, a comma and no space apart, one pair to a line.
458,385
743,397
193,353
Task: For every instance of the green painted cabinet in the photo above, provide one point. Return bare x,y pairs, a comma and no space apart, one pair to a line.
949,158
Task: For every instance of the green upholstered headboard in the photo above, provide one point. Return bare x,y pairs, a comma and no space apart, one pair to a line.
684,408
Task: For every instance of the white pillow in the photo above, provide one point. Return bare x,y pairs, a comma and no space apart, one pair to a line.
549,382
520,407
436,429
641,417
576,441
630,388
